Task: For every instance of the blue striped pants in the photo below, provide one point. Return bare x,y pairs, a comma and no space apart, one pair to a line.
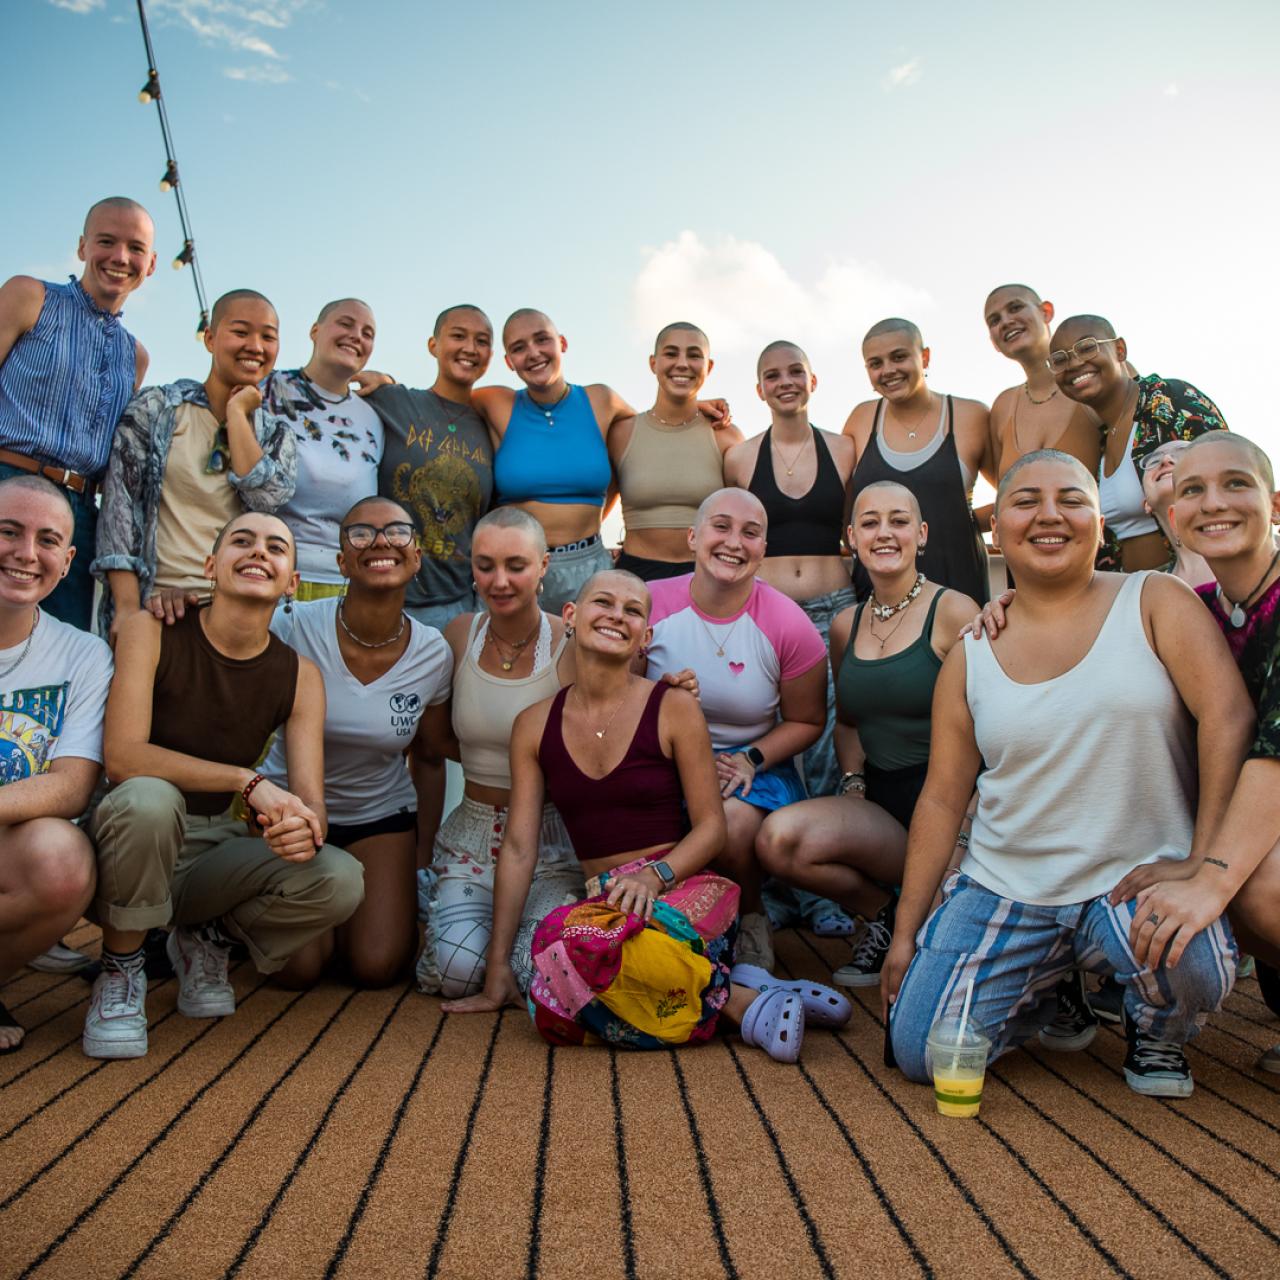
1017,954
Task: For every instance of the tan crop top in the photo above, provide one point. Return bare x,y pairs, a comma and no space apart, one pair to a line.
666,472
485,706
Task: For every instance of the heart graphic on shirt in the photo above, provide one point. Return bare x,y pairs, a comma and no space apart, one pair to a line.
737,667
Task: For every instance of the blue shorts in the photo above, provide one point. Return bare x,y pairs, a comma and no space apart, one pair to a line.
773,788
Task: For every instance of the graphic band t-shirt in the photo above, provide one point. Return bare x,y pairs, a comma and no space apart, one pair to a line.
438,462
770,640
366,726
339,448
51,703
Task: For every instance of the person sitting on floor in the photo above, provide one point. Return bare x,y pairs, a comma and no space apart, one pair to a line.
53,687
191,708
886,654
1141,679
762,675
644,961
386,682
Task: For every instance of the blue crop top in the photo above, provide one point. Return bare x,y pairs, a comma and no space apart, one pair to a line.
555,454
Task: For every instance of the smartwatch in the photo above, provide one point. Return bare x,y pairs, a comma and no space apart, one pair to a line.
663,872
756,756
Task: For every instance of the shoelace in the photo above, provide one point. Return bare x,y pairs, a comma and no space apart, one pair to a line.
120,991
213,963
876,940
1159,1055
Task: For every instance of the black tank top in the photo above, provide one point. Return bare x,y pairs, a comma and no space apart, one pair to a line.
954,556
810,525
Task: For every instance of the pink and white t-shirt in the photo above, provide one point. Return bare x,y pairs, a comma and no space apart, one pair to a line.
770,640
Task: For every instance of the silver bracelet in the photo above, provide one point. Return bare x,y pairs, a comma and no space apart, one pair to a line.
852,782
962,839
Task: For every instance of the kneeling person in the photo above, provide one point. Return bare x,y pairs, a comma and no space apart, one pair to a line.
1053,834
171,849
53,686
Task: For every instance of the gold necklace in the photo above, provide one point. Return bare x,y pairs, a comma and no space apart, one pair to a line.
1026,386
608,723
516,649
697,413
1125,411
924,413
783,457
720,644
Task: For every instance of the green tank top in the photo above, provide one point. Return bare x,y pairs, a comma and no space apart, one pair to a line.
889,700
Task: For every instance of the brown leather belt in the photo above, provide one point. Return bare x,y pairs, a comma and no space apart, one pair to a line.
59,475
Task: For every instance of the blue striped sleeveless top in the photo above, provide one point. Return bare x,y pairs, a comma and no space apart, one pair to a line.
67,381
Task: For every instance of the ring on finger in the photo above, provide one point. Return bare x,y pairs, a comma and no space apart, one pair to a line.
1153,919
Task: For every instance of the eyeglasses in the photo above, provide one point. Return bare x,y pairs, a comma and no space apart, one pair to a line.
1166,453
397,534
1083,349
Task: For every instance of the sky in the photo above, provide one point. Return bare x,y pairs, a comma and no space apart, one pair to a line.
760,169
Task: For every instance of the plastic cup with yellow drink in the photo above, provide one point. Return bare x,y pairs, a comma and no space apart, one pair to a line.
957,1057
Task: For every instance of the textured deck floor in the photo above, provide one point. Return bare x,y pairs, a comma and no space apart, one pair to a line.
364,1134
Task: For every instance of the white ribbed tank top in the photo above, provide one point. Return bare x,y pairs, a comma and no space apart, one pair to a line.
1088,775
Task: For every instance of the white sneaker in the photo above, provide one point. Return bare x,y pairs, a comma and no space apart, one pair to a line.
755,941
201,969
116,1024
60,959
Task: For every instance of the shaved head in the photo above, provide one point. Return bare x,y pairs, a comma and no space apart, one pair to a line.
633,582
909,499
443,318
1025,289
46,488
527,313
120,203
713,501
895,324
330,307
1254,455
235,295
781,344
679,326
1090,326
1087,481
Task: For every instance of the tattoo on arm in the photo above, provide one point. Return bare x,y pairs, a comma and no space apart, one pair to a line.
1218,862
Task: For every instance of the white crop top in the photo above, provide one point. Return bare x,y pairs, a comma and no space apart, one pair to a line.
1121,497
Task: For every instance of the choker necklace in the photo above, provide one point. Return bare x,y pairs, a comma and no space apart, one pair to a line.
546,409
883,612
369,644
31,635
516,649
1238,617
1026,386
697,413
318,392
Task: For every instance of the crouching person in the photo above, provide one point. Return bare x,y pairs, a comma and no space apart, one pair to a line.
191,708
1089,710
53,685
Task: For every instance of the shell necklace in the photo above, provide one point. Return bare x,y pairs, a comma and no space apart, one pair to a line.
883,612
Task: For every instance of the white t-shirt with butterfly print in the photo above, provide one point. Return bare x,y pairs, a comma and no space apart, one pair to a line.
366,726
768,641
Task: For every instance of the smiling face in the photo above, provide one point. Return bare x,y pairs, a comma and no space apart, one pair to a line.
1047,521
1018,323
245,342
895,365
380,564
116,249
611,615
253,559
1088,379
507,566
343,339
35,544
681,363
533,349
1222,504
463,346
784,380
886,530
728,538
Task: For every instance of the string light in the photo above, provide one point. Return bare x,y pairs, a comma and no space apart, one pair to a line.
187,255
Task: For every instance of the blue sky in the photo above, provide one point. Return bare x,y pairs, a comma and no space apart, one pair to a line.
765,170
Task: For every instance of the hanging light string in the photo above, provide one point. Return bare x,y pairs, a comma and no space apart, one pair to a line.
186,256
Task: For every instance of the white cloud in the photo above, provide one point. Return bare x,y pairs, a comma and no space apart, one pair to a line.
78,6
231,22
258,75
904,76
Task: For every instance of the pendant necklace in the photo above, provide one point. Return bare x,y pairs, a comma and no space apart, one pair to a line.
451,425
720,644
517,648
546,409
902,617
369,644
608,723
31,635
1238,617
884,612
782,457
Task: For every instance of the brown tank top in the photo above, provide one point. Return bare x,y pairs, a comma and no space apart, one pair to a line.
218,708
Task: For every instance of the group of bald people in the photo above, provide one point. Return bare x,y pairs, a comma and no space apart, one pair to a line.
803,590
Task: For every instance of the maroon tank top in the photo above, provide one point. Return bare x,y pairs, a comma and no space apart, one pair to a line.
636,805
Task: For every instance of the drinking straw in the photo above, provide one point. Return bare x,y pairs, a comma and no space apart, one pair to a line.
964,1021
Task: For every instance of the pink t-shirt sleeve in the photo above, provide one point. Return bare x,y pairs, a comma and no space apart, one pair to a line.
669,595
794,638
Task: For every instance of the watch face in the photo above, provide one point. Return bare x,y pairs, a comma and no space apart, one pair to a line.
756,756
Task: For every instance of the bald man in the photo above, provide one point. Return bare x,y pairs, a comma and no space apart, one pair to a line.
1034,414
68,367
